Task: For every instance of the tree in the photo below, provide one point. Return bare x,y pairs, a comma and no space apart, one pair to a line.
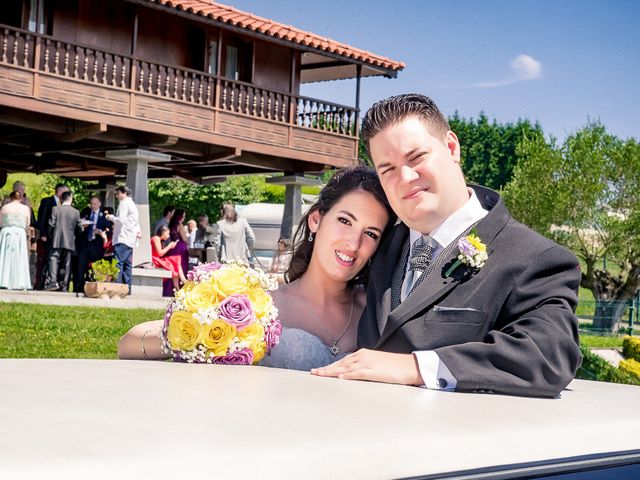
489,149
585,195
207,199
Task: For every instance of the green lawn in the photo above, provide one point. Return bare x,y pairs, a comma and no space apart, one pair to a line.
47,331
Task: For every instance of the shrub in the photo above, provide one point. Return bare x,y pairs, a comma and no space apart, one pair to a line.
631,348
596,368
104,270
631,367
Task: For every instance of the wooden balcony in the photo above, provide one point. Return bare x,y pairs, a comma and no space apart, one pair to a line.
70,81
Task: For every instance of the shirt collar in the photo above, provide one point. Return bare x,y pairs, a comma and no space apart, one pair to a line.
471,212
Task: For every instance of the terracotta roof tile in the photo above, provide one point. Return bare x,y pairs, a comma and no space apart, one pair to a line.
223,13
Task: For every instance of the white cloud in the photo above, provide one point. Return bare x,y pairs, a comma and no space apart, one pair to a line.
523,68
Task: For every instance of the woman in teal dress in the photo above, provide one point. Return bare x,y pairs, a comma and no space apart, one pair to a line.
14,255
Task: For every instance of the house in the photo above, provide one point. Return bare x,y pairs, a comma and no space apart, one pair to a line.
142,89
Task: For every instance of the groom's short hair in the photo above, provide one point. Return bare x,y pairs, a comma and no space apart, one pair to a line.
395,109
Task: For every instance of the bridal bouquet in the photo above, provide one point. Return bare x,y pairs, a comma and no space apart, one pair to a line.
223,314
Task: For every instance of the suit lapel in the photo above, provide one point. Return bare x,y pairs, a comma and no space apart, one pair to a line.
380,281
435,286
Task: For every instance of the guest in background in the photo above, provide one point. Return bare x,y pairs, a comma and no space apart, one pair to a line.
192,228
167,213
64,225
126,228
90,244
236,234
107,235
282,258
20,187
14,256
178,234
208,237
161,260
43,247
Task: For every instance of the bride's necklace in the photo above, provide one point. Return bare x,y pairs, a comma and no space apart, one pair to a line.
334,349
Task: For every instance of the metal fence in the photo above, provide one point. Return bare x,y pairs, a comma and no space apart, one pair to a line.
609,318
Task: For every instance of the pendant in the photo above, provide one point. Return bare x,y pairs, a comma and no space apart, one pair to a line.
334,350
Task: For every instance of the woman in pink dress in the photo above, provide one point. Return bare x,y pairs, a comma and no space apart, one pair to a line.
179,239
161,260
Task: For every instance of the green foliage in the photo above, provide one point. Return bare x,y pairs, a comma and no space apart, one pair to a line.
104,270
584,195
43,185
208,199
631,367
596,368
631,348
600,341
46,331
363,156
489,150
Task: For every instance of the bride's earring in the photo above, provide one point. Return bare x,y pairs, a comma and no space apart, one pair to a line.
310,237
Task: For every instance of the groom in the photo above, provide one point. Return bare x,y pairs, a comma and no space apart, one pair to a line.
507,326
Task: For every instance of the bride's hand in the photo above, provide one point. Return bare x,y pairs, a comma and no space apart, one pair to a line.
374,366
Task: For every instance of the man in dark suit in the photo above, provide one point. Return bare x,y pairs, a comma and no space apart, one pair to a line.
64,225
90,244
43,247
435,316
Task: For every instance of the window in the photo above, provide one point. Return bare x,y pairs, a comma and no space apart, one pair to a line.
238,60
232,66
213,57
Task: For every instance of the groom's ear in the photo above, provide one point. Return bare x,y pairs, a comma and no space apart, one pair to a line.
313,221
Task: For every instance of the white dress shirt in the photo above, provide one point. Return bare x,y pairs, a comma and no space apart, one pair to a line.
125,223
434,372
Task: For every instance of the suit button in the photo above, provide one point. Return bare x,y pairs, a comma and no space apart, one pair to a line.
442,383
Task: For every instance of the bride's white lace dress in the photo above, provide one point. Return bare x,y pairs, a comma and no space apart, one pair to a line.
300,350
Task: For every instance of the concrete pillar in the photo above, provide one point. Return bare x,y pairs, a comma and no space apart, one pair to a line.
110,195
137,173
293,200
137,178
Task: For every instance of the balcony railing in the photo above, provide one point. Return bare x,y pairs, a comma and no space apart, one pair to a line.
87,64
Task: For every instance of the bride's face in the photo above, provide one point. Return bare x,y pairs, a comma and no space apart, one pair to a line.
347,235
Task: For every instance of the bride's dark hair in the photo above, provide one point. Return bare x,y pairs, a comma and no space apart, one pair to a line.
343,182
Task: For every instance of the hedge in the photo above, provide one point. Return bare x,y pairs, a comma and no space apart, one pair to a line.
596,368
631,367
631,348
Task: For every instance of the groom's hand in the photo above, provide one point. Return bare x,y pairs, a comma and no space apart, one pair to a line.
374,366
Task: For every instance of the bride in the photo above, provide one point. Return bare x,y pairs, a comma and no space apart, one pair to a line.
321,304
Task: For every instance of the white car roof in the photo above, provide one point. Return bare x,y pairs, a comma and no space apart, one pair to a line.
121,419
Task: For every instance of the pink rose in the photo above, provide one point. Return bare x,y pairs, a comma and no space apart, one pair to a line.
272,335
236,310
195,272
239,357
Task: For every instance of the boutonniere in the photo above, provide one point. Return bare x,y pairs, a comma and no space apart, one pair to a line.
473,253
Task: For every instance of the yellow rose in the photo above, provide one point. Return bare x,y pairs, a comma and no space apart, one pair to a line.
261,301
217,336
184,331
199,296
228,280
254,336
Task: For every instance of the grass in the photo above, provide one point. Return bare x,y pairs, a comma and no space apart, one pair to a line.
599,341
46,331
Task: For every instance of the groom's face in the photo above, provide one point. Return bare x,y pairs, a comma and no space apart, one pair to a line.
420,173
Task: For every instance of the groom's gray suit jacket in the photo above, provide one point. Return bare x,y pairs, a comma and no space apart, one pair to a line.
507,328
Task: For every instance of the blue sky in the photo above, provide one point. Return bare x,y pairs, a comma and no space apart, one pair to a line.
558,62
